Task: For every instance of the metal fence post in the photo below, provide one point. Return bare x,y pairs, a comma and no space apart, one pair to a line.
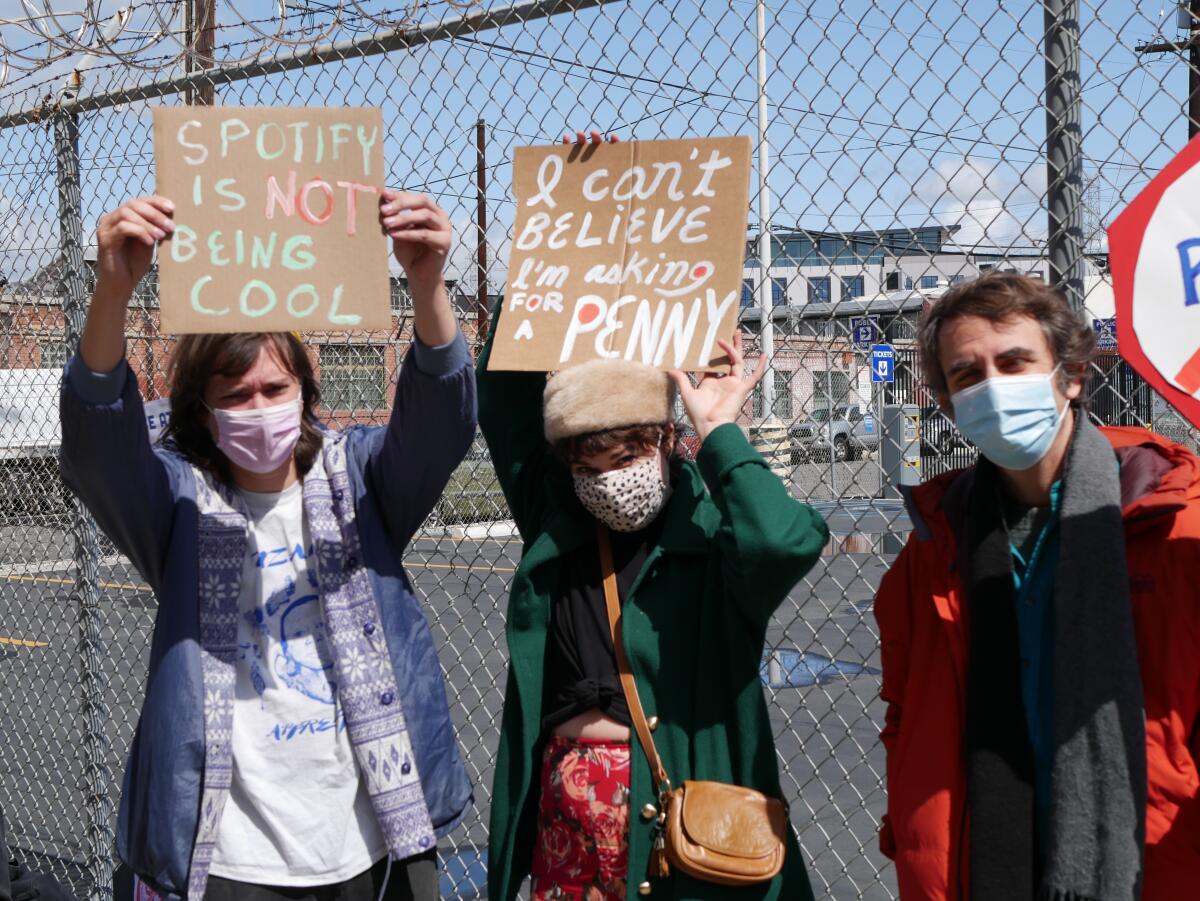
1064,149
86,592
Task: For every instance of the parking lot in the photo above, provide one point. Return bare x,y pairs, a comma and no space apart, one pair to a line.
820,672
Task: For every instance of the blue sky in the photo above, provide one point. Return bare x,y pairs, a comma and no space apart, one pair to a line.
881,114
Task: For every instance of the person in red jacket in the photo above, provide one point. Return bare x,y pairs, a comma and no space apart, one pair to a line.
1041,629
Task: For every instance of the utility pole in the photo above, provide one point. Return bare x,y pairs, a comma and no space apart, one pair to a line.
199,24
85,594
481,298
767,335
1064,149
1189,20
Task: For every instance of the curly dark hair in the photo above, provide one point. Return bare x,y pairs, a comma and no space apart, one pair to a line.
1003,296
198,357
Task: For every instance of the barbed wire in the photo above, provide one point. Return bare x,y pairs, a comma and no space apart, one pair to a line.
152,35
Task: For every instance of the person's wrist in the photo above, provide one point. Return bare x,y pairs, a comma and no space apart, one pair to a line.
708,426
427,289
108,294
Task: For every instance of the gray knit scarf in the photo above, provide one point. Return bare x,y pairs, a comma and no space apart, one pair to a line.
1098,780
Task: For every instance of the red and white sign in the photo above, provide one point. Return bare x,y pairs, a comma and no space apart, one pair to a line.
1154,254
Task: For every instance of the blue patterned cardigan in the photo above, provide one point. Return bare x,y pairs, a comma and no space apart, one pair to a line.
146,500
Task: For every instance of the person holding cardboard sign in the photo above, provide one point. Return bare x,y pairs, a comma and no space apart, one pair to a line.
295,740
685,562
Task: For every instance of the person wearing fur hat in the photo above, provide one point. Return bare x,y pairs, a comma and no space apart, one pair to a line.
703,551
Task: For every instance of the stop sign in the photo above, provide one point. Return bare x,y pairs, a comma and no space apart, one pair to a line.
1154,254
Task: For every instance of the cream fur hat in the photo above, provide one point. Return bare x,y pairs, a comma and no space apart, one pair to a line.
605,394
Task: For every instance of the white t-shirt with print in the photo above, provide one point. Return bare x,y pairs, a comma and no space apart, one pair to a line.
298,813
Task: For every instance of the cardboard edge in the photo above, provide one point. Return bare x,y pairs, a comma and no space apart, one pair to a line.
385,321
717,364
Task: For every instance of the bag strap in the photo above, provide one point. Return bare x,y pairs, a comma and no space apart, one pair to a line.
613,603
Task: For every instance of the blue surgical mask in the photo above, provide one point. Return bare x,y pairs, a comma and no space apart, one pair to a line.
1012,419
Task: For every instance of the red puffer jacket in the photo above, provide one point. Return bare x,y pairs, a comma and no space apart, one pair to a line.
919,609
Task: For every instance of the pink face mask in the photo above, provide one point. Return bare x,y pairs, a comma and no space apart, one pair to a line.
260,440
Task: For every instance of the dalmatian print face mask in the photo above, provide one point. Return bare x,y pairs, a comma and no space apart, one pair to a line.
626,499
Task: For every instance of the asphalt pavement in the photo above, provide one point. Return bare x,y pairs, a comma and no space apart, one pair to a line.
820,672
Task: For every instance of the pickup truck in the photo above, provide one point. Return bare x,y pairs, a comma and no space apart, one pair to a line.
845,432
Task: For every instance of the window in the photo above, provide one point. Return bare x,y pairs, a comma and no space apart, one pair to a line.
401,297
353,377
828,247
818,328
778,292
901,329
819,290
908,282
797,248
783,396
146,293
55,354
956,279
747,292
893,282
929,281
852,287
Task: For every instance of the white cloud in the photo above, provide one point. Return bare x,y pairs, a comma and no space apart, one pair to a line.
28,238
996,203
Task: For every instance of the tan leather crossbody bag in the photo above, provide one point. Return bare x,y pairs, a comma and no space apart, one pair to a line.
710,830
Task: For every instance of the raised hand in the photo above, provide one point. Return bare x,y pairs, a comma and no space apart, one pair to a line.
581,138
420,233
126,239
718,398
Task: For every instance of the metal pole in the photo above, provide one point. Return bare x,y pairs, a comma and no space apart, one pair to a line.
767,338
829,423
1064,149
481,301
204,20
189,37
1193,108
85,595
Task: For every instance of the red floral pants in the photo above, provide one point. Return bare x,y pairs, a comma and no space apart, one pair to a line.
582,851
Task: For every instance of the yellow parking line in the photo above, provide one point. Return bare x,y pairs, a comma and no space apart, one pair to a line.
117,586
24,642
469,566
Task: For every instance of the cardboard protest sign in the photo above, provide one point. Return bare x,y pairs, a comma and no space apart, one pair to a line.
276,219
631,250
1154,257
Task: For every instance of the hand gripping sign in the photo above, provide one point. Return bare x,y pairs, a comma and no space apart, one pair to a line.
632,250
276,219
1154,253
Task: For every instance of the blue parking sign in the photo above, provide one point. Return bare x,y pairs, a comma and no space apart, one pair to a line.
883,363
1106,333
862,331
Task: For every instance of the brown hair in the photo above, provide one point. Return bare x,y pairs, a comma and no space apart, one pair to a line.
1001,297
198,357
639,438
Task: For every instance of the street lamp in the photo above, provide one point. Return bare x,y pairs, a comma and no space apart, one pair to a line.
767,334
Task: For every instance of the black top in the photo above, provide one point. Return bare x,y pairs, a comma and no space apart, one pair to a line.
581,668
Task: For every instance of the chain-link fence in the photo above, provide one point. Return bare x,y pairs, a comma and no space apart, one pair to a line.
908,144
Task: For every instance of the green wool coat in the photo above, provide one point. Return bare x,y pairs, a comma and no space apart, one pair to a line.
733,544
